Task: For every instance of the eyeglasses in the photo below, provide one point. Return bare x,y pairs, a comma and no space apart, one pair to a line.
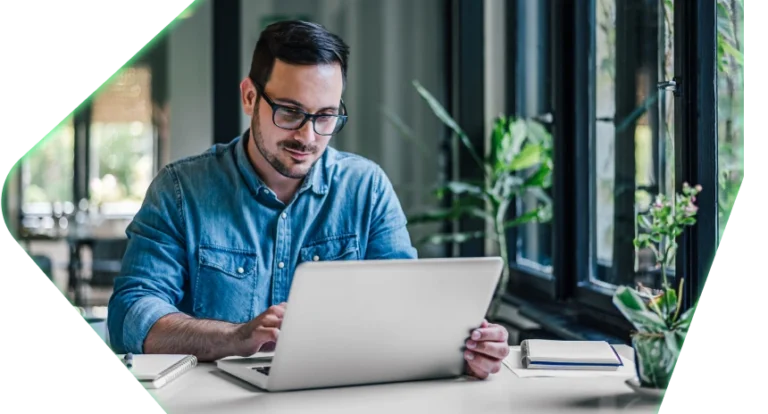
292,119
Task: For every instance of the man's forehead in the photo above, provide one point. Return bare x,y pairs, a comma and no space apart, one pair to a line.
315,86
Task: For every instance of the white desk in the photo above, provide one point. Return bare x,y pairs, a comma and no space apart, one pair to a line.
208,390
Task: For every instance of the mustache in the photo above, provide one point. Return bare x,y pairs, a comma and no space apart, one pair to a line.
297,146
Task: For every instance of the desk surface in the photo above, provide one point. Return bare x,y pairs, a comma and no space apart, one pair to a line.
205,389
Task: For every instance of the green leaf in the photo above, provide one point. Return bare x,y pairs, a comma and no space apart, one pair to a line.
674,342
737,55
645,222
459,188
518,131
443,115
667,302
671,254
684,321
539,134
529,156
510,185
632,306
527,217
541,178
500,141
641,243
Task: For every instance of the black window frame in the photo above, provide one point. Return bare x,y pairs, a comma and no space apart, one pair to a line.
695,137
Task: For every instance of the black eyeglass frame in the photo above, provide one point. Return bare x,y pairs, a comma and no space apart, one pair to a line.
342,116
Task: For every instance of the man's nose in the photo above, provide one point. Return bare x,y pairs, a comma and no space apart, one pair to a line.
306,133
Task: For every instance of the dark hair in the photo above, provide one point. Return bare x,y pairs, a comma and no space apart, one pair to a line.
297,43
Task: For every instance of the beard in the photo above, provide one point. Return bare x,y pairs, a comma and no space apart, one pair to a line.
295,171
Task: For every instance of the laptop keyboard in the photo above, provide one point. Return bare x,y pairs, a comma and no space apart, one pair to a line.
263,370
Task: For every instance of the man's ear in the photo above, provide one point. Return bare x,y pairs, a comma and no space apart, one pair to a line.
248,96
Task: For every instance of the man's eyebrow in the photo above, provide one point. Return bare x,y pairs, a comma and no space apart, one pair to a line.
301,106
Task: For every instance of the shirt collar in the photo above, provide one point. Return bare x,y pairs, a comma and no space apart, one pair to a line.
316,180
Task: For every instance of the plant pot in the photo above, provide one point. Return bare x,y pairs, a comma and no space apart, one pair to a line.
654,360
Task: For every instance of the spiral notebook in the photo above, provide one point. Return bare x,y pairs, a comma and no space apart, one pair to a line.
157,370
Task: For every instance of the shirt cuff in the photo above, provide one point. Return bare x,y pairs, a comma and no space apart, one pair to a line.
140,319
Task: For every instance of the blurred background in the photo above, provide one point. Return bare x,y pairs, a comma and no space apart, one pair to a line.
594,73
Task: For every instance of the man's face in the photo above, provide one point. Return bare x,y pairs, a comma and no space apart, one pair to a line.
312,89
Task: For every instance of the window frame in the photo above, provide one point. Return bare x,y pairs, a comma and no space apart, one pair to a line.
695,139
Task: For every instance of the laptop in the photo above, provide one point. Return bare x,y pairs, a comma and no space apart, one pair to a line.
350,323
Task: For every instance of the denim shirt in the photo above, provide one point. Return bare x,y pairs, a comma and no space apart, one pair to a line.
213,241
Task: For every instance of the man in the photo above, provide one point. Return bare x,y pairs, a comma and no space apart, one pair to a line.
212,250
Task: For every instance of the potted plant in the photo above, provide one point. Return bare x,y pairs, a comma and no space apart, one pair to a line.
518,163
656,315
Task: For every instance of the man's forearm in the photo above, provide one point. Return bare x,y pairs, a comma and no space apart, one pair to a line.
178,333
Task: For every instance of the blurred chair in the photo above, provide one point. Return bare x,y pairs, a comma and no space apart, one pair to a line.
98,276
107,257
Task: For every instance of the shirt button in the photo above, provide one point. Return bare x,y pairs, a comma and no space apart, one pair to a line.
283,215
316,258
240,270
265,191
281,265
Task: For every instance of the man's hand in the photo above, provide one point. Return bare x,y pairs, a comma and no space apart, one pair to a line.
486,348
260,333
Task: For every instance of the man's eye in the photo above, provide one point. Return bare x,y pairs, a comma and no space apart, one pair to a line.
288,114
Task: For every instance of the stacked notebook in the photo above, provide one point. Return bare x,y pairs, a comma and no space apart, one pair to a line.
571,355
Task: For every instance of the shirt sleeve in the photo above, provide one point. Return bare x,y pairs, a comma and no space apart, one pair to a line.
154,267
388,237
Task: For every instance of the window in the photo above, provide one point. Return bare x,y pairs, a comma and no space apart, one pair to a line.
109,144
630,86
531,37
122,143
730,105
47,175
533,78
632,156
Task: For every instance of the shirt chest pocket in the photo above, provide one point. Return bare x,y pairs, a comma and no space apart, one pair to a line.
225,284
331,249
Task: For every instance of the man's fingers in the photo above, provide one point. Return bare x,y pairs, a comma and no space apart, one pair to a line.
496,333
266,334
496,350
480,365
278,310
271,320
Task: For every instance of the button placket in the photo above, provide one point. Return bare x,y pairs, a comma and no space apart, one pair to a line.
281,248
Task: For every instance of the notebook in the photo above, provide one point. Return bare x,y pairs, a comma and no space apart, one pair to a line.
157,370
579,355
